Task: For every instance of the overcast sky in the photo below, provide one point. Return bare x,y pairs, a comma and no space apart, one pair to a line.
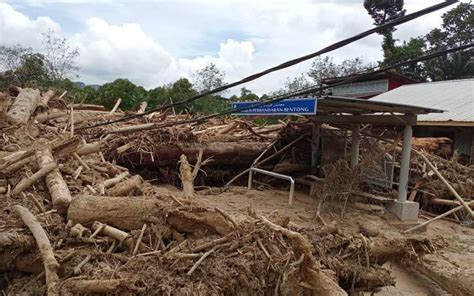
156,42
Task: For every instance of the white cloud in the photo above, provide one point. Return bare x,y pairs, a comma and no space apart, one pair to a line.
15,28
242,37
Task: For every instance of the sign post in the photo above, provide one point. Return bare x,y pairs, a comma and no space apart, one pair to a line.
306,106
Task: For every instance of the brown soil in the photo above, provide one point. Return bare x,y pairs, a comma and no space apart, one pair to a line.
455,260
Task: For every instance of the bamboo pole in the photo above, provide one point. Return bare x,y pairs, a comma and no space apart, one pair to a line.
267,159
438,217
453,191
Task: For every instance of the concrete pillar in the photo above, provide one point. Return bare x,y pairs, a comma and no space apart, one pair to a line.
355,145
405,164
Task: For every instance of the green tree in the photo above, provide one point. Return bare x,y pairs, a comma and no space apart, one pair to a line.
323,68
21,66
130,94
407,51
246,95
208,78
457,29
383,11
59,57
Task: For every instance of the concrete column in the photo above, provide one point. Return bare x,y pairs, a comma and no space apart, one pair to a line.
405,164
355,145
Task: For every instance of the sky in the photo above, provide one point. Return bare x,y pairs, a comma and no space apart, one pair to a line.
156,42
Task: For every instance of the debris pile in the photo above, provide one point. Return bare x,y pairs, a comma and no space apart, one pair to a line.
74,223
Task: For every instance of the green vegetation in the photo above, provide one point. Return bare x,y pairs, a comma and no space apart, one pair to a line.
55,65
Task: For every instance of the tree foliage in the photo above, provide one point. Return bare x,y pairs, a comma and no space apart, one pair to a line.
124,89
208,78
457,29
323,68
383,11
59,56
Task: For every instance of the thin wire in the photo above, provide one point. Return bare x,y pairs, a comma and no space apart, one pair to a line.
305,91
290,63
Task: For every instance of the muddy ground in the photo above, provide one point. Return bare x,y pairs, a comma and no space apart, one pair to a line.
455,260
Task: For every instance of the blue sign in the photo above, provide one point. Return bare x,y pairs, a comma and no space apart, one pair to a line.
306,106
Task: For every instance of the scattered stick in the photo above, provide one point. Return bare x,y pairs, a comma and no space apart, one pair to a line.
190,272
227,217
175,199
139,240
27,182
267,159
117,104
37,204
72,122
110,182
77,172
51,265
438,217
81,161
260,244
77,269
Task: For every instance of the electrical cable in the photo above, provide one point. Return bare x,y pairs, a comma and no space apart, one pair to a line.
309,90
289,63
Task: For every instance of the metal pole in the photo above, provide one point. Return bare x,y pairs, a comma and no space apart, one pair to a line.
355,145
250,179
405,164
276,175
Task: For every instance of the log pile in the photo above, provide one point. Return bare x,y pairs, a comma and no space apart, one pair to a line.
74,223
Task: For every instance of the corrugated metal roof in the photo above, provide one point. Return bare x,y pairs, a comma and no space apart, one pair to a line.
456,97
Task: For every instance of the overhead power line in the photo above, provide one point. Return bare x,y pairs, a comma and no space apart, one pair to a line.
290,63
318,88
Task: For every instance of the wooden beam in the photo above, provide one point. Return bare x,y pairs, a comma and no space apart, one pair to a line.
374,119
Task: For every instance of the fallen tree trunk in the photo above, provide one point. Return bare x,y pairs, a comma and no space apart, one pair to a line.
60,194
239,154
23,106
447,275
130,213
50,264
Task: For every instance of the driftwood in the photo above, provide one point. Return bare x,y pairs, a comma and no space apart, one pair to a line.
288,146
27,182
51,265
187,175
88,107
131,213
451,189
125,187
124,238
23,106
60,194
50,115
322,283
44,100
122,212
101,286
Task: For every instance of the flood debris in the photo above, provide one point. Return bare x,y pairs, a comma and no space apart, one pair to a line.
77,219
